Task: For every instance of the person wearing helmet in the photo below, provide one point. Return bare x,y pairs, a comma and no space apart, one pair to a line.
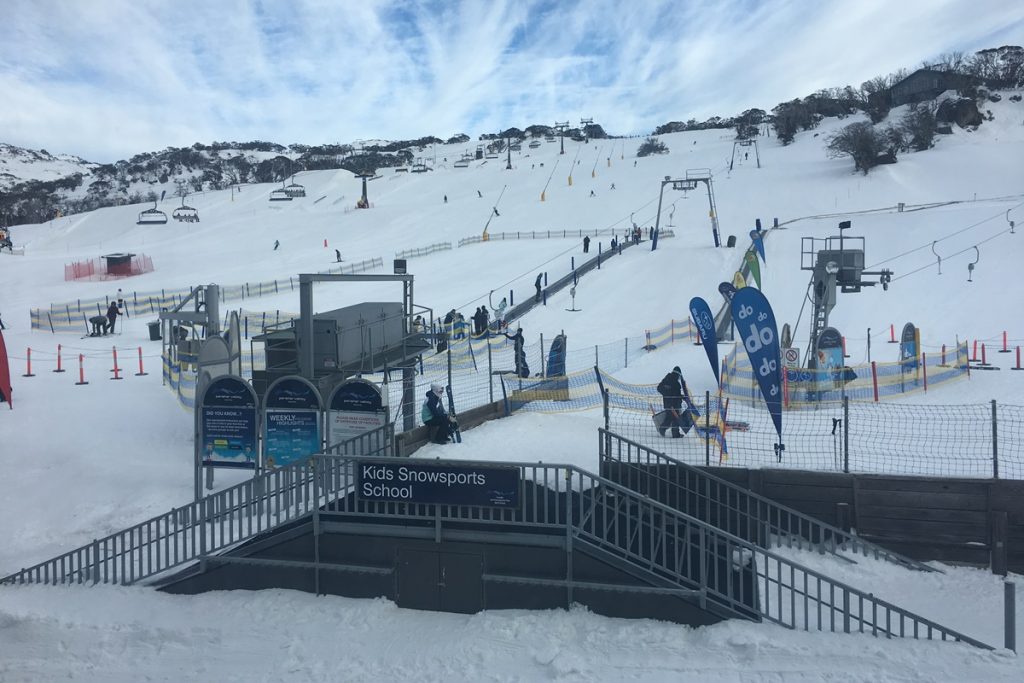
441,424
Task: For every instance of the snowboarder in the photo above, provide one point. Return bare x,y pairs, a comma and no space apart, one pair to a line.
442,426
592,193
277,243
337,255
499,314
536,284
522,369
586,244
612,187
673,393
478,194
446,199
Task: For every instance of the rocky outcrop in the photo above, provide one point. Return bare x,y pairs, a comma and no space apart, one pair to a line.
963,112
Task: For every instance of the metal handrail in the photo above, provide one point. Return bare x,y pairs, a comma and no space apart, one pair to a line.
651,536
731,507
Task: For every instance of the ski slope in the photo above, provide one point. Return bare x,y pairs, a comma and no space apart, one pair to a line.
83,461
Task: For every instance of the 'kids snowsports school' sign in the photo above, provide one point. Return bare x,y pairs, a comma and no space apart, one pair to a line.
439,483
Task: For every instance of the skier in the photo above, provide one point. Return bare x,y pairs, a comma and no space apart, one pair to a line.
337,255
586,244
478,194
673,393
612,187
277,243
442,426
536,284
112,313
446,199
522,368
592,193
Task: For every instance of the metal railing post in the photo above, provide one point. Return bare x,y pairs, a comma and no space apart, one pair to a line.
1010,616
707,429
995,442
846,434
490,368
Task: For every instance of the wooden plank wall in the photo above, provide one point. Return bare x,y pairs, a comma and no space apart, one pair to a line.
923,517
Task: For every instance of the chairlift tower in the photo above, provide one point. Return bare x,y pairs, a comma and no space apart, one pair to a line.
834,261
689,182
561,128
583,126
745,144
363,202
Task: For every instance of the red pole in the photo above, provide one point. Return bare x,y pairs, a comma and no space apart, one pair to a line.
924,370
845,355
141,371
117,370
1018,367
81,371
1005,348
874,378
974,354
892,333
983,361
59,368
28,363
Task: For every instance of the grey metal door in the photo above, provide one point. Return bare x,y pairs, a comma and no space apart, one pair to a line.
461,584
445,582
418,578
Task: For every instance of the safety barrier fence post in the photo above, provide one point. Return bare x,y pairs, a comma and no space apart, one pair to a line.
141,372
116,370
59,368
81,371
28,363
924,370
874,378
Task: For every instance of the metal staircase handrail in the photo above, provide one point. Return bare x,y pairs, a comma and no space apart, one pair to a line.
792,526
287,494
233,515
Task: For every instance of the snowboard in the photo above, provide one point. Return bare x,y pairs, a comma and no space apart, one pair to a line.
451,413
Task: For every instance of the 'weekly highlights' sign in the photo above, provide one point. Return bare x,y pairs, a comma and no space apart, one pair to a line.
439,483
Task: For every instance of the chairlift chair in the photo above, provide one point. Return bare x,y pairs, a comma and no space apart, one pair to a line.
186,214
280,195
152,216
295,190
534,144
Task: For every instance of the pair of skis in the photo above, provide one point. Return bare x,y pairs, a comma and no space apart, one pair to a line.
451,414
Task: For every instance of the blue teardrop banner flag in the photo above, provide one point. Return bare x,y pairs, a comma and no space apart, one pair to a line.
755,322
756,236
705,323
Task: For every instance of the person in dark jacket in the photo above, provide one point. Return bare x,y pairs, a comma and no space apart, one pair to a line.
99,325
673,393
536,283
586,244
522,369
112,313
441,424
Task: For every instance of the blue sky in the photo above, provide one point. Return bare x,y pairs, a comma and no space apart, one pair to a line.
106,79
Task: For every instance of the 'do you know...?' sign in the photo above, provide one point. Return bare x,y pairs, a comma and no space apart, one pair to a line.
439,483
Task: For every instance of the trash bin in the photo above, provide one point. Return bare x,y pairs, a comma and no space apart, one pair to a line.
731,242
154,330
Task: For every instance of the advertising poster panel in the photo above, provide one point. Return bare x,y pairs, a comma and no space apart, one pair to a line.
227,424
356,406
291,422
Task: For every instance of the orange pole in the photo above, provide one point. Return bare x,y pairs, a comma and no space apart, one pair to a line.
141,371
81,371
28,363
117,370
59,368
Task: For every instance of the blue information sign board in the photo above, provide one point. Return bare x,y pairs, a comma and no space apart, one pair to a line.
227,424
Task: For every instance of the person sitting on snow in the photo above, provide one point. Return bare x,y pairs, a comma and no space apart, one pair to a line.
441,424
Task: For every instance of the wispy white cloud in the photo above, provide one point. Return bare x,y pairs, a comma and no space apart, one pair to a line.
111,78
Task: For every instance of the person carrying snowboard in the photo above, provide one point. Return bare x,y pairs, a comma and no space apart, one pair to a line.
441,424
673,393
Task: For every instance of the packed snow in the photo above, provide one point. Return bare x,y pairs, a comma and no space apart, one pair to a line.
83,461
